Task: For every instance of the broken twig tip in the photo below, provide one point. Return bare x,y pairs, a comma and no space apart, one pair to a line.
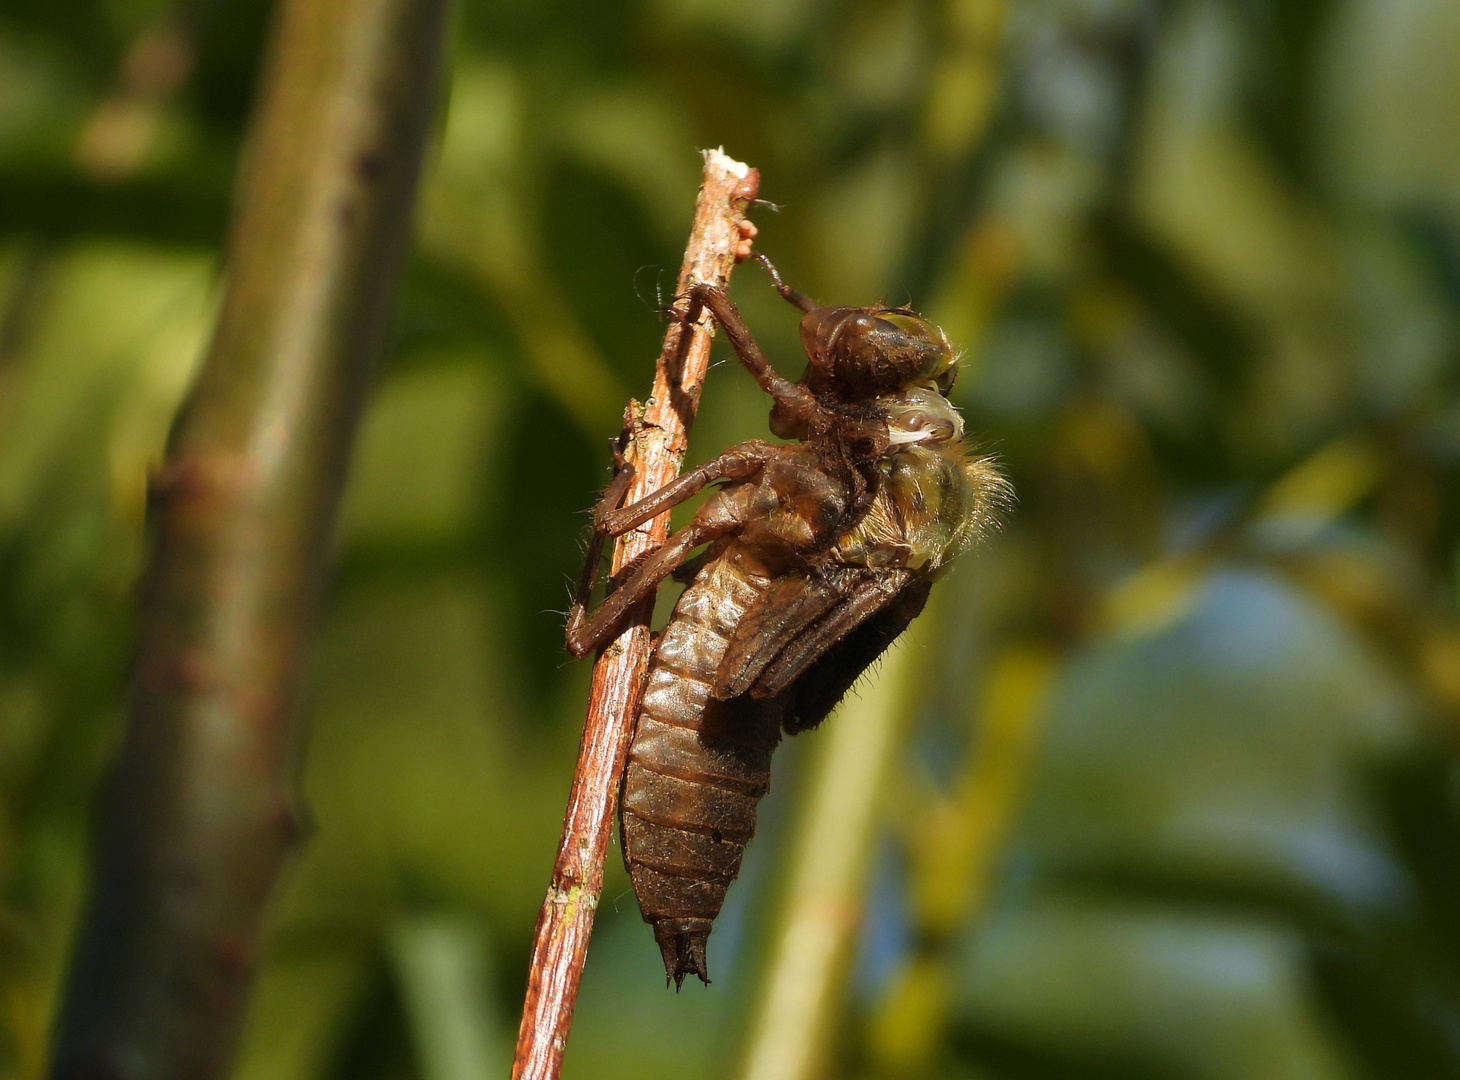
718,157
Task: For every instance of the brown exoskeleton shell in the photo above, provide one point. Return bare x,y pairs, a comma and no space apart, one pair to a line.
821,552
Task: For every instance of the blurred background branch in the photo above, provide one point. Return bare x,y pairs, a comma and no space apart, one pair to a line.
795,1018
200,809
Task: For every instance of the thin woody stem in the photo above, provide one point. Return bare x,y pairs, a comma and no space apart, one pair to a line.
199,812
660,434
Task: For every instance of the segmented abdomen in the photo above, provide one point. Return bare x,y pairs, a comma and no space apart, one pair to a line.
697,768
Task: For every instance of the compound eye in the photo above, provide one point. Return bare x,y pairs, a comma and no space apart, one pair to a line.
910,325
915,336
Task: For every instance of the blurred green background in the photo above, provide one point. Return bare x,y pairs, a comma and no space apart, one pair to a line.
1180,797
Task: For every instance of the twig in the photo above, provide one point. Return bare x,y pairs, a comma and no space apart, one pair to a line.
660,433
199,811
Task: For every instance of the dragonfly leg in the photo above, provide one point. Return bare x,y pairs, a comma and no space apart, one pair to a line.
740,462
801,414
613,494
792,296
737,463
725,513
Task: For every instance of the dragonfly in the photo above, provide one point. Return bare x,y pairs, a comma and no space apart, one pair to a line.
802,567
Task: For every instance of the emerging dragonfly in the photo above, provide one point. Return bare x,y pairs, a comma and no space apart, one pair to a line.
821,552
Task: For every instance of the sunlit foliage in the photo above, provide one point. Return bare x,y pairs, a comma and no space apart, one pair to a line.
1180,798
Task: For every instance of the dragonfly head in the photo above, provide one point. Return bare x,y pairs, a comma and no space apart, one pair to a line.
859,352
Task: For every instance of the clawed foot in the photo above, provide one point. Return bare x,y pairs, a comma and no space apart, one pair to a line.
613,495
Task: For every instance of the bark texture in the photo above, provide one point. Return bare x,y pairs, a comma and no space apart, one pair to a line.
199,811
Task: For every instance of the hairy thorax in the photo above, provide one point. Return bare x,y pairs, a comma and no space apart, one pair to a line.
930,504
